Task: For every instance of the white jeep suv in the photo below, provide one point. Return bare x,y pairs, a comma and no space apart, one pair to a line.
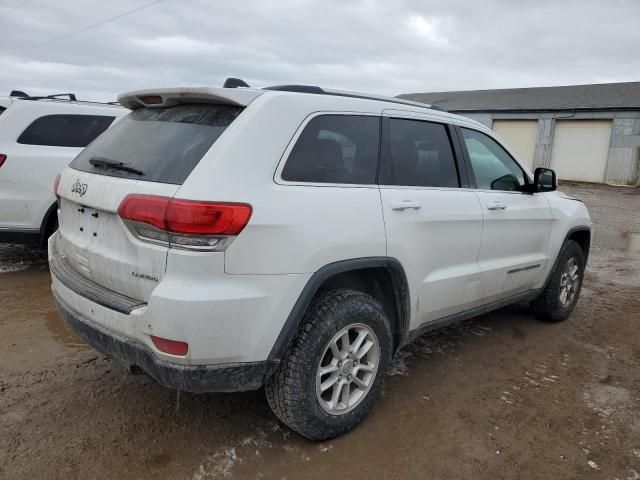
39,136
224,239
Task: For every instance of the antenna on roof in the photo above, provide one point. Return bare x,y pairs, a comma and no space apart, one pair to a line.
18,93
234,83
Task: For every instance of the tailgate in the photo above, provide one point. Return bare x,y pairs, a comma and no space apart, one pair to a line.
96,242
151,151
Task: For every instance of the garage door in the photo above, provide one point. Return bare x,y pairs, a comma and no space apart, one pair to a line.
580,149
520,135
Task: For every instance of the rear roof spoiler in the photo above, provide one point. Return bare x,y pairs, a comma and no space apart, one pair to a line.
166,97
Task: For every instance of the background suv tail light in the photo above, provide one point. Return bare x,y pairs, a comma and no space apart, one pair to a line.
3,157
56,184
193,225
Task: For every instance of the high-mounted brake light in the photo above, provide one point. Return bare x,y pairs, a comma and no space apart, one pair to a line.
3,157
151,99
172,347
56,184
181,223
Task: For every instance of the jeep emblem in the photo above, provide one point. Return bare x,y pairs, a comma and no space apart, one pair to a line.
79,188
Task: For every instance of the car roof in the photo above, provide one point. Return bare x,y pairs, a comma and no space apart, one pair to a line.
243,96
62,101
315,97
67,99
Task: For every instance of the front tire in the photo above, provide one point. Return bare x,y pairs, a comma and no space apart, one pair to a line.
559,297
333,371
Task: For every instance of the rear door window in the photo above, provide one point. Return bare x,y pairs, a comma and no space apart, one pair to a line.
157,144
336,149
420,155
65,130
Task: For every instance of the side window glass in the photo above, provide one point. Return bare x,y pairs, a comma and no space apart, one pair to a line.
336,149
421,155
65,130
493,167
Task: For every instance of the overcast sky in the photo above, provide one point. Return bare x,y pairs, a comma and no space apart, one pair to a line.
387,47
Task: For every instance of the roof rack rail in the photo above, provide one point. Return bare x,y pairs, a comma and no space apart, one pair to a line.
232,82
70,96
339,93
297,88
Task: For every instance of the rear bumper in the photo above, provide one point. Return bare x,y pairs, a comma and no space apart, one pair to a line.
88,289
225,319
230,377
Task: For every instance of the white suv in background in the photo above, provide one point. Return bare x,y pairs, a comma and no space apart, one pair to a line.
222,239
39,136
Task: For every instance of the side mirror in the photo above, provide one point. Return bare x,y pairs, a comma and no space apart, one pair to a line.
544,180
507,182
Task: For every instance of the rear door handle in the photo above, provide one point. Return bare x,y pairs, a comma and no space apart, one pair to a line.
404,205
496,205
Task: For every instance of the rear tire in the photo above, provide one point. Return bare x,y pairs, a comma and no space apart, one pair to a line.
560,295
325,384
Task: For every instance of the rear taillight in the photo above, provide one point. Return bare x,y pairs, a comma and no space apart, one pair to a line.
189,224
56,184
3,157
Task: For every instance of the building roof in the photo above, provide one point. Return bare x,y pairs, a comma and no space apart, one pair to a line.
603,96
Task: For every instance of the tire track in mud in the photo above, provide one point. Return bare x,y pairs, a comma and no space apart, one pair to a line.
502,396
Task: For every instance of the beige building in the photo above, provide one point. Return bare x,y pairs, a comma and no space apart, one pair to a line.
588,133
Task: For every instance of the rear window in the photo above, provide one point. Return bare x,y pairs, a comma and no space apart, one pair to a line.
336,149
65,130
157,144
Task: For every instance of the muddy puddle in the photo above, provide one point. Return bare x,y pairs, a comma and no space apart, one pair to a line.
626,240
61,333
15,258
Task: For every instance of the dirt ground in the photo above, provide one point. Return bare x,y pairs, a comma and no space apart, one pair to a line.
504,396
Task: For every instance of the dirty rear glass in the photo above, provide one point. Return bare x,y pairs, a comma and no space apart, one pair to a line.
157,144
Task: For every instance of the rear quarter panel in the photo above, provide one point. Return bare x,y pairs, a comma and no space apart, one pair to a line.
294,228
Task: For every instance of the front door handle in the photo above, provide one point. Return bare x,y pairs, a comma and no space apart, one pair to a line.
496,205
404,205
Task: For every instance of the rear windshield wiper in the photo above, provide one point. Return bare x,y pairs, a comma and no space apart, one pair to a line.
106,163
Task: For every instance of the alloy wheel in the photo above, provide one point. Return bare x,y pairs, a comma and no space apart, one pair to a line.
347,369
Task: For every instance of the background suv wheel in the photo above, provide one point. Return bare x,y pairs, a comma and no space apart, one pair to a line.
333,371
